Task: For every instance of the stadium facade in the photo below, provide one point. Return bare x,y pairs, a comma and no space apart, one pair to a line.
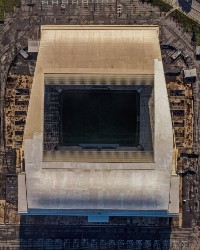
99,181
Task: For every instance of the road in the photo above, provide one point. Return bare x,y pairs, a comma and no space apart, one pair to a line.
191,8
82,237
94,237
195,10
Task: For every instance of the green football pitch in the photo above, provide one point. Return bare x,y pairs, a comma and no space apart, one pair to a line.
99,117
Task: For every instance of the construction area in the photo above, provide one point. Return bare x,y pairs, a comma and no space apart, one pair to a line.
181,105
17,99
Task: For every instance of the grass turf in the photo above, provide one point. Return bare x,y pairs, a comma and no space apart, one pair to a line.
99,117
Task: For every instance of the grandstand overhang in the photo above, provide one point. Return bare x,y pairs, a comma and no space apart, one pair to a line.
54,183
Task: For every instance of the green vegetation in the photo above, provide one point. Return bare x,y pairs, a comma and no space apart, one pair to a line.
7,6
189,24
99,117
163,6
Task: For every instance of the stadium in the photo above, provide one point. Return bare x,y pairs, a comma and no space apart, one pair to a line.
101,118
98,139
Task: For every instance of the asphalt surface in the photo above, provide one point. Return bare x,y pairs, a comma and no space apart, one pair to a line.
84,237
95,237
190,7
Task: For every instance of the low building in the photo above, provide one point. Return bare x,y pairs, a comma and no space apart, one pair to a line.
198,52
175,55
33,46
190,74
23,53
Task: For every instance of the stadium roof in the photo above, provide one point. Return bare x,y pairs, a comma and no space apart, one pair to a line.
113,188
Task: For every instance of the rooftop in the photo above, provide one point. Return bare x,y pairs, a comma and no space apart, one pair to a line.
190,73
198,50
